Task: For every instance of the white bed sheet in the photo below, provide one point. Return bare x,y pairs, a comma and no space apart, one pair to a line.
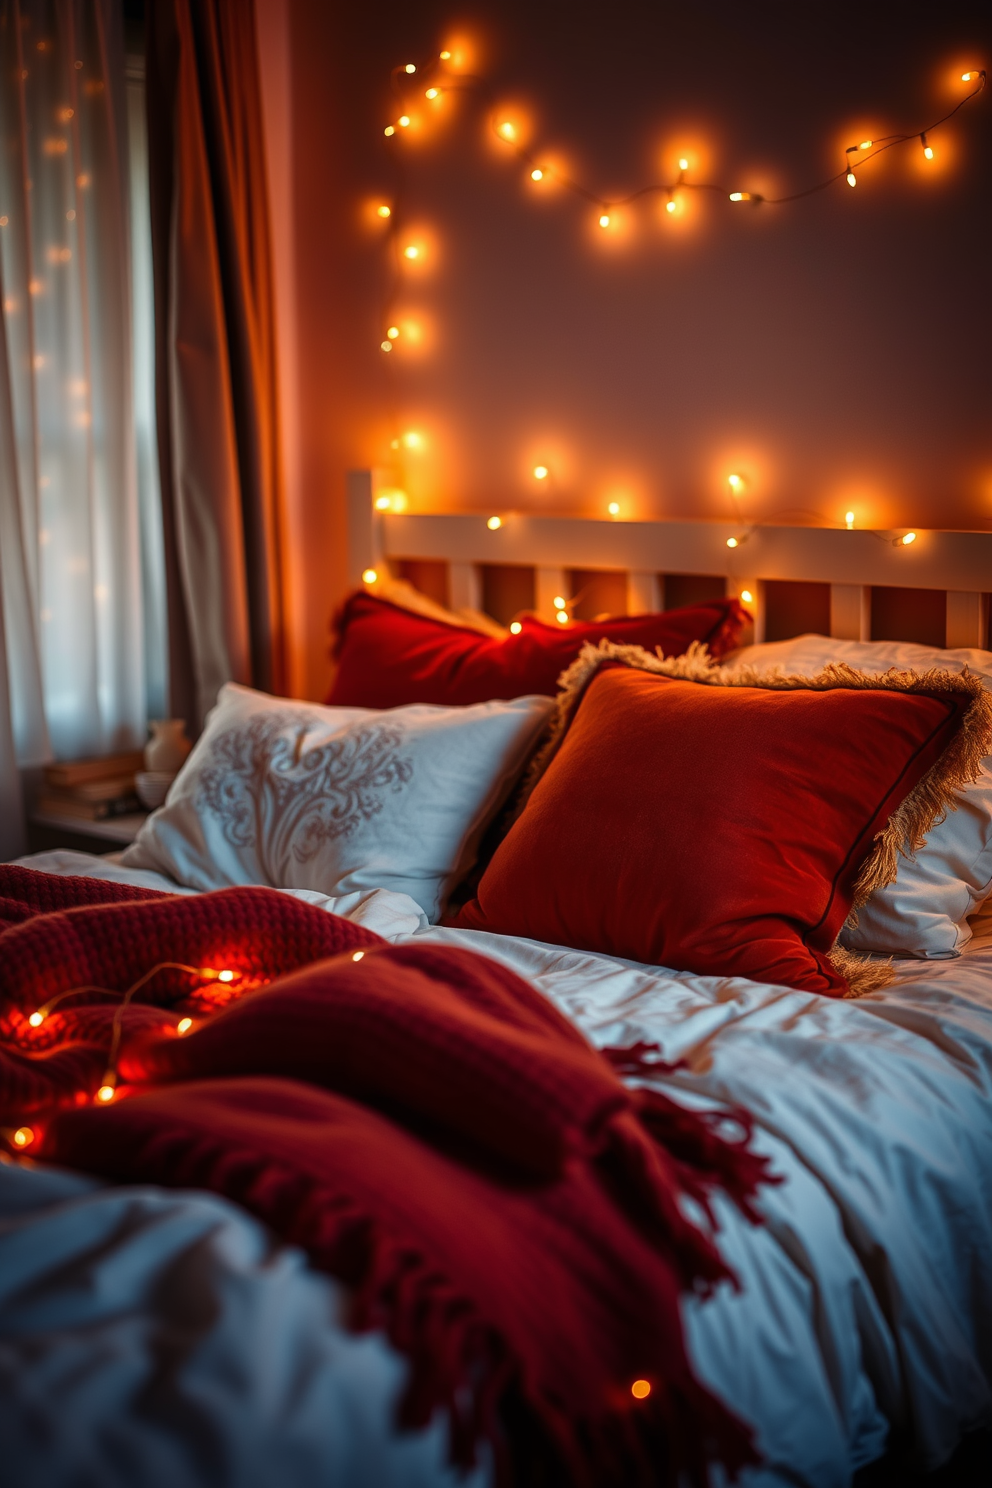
151,1338
867,1296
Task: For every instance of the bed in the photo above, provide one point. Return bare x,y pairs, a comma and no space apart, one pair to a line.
152,1334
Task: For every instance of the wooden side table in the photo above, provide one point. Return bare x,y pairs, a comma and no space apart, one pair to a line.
47,831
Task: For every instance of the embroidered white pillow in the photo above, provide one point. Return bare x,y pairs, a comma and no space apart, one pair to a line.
925,912
297,795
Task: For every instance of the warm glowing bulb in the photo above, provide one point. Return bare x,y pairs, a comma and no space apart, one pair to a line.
105,1093
395,501
370,576
384,211
540,472
669,206
389,129
385,345
537,175
184,1025
604,220
559,603
445,56
432,93
404,121
228,976
747,596
358,956
515,627
494,524
562,617
909,538
740,196
410,67
23,1136
641,1389
735,482
852,179
966,77
731,542
507,130
393,332
412,440
849,519
412,251
614,508
928,152
865,145
36,1020
683,163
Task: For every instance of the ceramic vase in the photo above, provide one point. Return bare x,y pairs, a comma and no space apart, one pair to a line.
168,746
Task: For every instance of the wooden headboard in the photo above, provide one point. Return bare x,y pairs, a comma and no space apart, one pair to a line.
855,585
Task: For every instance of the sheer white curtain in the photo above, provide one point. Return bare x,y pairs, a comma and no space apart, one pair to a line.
156,651
70,526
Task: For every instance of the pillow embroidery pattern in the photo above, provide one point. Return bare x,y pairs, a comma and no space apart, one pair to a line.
271,794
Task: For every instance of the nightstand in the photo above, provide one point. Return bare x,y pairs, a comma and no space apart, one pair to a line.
47,831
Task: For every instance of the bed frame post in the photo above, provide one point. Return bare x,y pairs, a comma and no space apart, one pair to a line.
967,619
364,524
644,594
465,586
548,583
735,587
850,612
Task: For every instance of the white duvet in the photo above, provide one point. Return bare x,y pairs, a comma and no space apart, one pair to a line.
151,1337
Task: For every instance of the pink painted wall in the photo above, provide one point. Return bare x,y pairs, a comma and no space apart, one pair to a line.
835,352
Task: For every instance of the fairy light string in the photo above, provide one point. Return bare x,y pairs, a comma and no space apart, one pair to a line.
24,1136
738,485
108,1085
21,1138
408,81
411,76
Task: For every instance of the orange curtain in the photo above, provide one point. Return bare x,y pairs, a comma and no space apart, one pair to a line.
216,387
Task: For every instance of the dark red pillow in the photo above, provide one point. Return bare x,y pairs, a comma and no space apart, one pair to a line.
722,828
388,656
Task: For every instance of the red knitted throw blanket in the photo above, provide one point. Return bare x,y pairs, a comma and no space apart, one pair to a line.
425,1125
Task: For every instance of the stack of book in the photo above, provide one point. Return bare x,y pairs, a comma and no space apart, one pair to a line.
93,789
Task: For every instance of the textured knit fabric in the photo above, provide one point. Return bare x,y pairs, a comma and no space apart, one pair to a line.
104,948
434,1133
25,893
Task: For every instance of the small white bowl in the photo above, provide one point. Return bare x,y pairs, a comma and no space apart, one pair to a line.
152,786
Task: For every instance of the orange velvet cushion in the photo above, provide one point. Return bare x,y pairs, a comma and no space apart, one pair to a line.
712,828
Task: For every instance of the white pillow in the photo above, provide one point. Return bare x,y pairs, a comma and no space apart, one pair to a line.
810,653
296,795
925,912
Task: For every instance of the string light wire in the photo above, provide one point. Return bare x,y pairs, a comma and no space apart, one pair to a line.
205,973
407,76
108,1085
538,167
109,1081
24,1136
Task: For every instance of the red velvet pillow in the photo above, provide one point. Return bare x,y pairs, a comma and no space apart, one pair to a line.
693,820
388,656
